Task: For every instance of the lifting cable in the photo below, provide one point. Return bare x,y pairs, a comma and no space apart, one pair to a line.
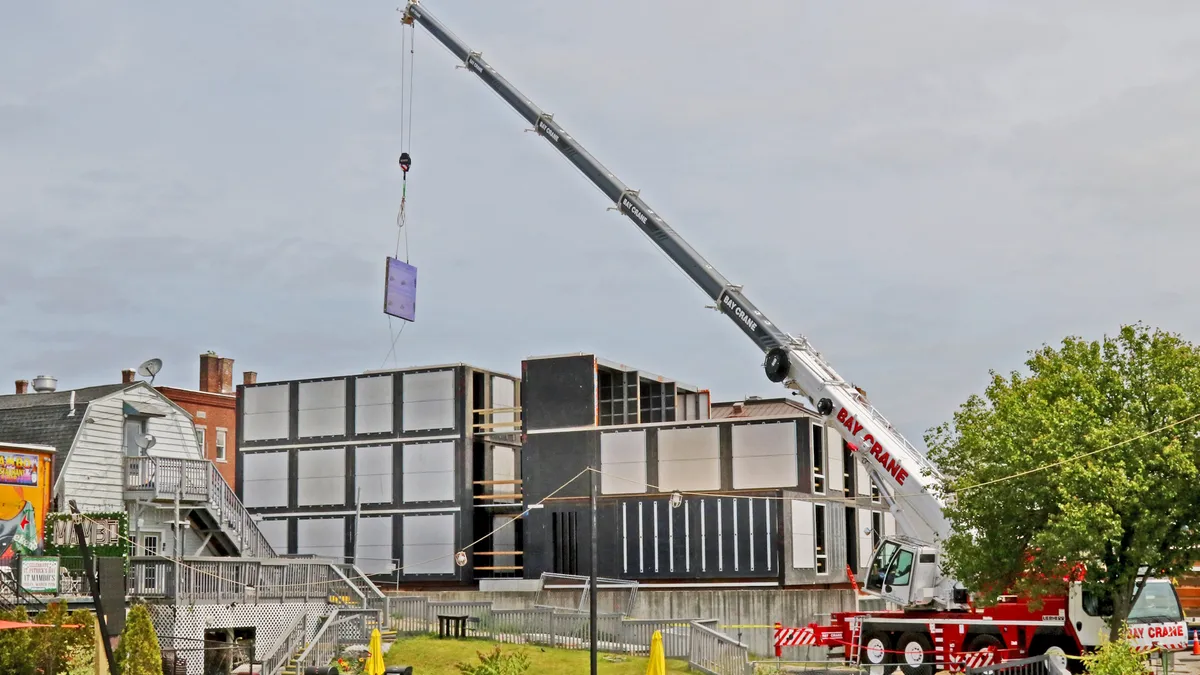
407,44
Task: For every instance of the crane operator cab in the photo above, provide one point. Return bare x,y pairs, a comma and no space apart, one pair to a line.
903,572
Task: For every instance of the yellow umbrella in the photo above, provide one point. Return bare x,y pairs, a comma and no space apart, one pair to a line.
658,661
375,656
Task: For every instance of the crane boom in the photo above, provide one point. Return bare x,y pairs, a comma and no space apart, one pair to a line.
909,478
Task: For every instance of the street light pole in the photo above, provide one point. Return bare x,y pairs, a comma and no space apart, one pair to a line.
592,573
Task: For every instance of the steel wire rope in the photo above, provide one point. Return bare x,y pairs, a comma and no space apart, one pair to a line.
406,83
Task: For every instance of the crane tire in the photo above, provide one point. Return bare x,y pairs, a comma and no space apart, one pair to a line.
875,653
777,364
917,656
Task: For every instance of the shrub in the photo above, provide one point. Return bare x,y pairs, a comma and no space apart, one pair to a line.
1116,657
496,663
139,653
16,646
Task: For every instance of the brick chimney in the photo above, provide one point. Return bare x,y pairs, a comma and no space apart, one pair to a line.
216,374
22,386
128,375
249,377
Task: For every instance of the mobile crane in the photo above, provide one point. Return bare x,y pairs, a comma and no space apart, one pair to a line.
936,620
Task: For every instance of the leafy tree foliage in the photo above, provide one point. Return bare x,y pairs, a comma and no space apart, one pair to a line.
16,646
52,646
1065,469
138,652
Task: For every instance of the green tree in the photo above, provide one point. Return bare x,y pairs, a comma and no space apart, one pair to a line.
138,652
52,645
1067,466
16,645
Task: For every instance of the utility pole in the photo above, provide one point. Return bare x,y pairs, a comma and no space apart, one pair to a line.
592,594
94,583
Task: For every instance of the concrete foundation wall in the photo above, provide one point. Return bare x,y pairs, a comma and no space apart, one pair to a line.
755,611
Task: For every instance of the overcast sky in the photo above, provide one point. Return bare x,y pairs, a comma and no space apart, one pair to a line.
925,189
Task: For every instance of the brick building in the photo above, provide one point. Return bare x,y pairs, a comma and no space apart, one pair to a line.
214,409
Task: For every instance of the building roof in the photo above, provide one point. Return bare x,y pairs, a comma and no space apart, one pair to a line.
44,419
760,407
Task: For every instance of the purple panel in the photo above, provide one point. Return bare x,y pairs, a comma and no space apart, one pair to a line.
400,294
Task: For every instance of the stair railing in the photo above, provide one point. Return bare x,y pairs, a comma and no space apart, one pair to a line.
290,642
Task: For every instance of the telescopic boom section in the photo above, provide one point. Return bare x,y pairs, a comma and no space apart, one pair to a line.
893,461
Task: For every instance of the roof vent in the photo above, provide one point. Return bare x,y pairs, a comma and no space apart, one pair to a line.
738,407
44,384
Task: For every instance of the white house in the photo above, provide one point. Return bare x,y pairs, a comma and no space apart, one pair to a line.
127,448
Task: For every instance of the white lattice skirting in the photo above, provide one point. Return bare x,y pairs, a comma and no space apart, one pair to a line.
189,622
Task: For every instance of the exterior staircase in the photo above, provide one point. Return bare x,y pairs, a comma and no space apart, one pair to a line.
209,503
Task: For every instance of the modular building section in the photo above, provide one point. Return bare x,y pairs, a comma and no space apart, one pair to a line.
767,494
383,468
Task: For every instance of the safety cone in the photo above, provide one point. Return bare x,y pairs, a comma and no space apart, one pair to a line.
1196,643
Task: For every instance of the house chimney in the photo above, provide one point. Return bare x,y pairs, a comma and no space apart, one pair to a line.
226,376
249,377
216,374
128,375
22,386
738,407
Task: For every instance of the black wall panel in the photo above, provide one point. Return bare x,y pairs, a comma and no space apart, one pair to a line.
550,460
558,392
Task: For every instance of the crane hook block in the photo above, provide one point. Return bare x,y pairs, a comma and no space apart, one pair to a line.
405,162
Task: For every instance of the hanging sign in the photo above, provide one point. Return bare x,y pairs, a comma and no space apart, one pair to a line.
18,469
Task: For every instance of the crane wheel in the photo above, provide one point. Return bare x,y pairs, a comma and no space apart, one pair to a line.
777,364
875,652
917,656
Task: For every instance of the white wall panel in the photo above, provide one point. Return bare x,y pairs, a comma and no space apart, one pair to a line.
321,477
265,413
862,478
837,461
504,539
623,462
428,472
705,403
428,544
764,455
504,393
865,539
373,473
264,479
889,523
804,552
504,467
373,404
373,549
276,532
689,459
428,400
321,536
322,409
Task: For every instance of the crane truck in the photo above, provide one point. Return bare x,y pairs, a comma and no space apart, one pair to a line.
934,620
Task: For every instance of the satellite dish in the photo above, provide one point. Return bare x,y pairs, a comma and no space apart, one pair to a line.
150,369
146,441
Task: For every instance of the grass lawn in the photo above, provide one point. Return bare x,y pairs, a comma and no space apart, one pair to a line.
431,656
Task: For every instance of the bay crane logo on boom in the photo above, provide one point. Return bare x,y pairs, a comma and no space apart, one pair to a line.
740,313
637,213
881,455
547,130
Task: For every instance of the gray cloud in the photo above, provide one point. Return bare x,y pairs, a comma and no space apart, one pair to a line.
926,190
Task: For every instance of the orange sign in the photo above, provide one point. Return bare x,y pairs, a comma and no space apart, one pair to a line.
25,475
